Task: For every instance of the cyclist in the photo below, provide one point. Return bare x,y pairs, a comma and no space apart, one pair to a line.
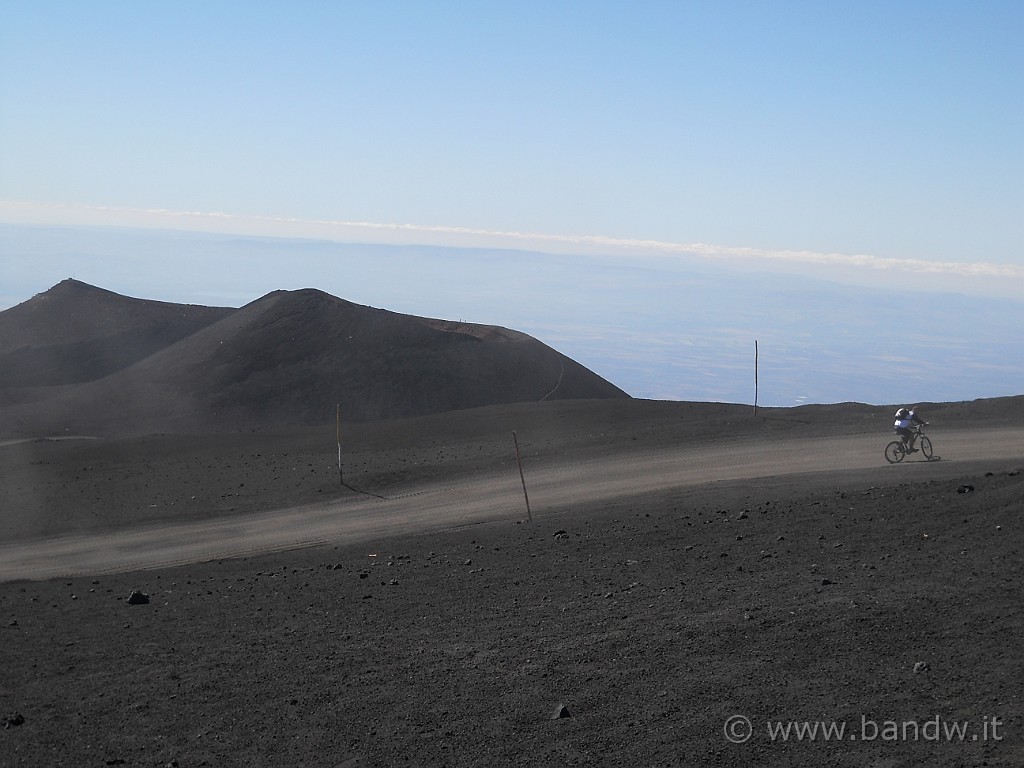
905,419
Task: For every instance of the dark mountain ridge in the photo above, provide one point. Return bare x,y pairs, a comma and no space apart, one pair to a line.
77,332
286,359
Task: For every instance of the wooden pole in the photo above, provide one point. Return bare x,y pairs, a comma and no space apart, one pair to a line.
522,479
337,435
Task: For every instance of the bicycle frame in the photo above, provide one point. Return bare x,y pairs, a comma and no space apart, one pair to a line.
897,450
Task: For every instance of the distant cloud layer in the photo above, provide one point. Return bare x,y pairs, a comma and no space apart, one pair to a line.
664,326
420,234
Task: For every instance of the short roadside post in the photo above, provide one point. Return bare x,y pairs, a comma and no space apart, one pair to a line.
337,435
522,479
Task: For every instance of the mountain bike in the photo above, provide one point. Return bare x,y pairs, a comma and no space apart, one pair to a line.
896,451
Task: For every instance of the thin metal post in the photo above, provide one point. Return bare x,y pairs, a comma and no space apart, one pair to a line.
755,378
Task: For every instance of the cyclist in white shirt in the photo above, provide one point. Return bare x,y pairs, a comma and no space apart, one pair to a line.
903,426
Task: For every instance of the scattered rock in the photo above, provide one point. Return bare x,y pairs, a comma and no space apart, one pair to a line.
561,711
965,489
138,598
561,535
921,666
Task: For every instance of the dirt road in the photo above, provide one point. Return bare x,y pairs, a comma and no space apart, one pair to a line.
480,498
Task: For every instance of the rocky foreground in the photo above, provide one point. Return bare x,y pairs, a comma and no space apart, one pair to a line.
628,630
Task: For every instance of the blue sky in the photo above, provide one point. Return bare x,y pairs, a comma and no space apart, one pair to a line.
885,128
863,143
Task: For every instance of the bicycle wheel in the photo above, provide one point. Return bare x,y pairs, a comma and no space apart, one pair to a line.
894,452
926,447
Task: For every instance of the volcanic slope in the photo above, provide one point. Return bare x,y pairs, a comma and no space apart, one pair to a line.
288,358
76,332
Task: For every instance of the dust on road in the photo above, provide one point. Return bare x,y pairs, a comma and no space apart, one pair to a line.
484,497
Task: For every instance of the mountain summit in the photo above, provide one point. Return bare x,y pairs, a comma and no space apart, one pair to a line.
80,359
76,332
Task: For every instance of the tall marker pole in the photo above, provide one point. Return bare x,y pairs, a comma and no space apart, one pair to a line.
755,378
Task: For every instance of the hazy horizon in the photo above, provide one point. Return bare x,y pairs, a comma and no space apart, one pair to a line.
659,330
